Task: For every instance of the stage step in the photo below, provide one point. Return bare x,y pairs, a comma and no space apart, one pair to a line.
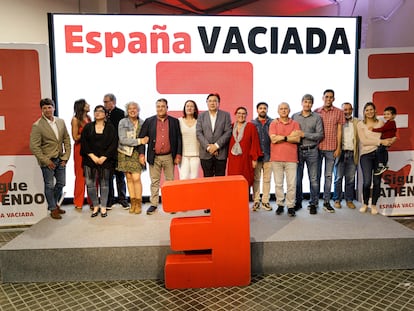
125,247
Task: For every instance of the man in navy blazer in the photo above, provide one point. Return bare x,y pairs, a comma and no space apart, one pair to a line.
213,132
164,148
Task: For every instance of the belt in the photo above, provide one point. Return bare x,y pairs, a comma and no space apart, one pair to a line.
307,147
161,154
350,151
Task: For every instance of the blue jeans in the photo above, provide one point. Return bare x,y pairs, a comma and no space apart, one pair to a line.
310,157
382,155
344,167
329,164
54,181
103,176
368,164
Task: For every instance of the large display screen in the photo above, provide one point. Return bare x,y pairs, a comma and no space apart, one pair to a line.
245,59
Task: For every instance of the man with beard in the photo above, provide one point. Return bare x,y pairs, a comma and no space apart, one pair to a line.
330,146
263,169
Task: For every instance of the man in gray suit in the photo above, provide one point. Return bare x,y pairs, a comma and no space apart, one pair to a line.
50,144
214,132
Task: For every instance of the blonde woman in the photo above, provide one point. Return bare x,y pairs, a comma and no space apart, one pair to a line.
129,148
369,142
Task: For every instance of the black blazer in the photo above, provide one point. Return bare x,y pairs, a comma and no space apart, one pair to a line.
149,128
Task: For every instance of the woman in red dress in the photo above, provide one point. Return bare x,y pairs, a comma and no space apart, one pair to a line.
244,148
79,120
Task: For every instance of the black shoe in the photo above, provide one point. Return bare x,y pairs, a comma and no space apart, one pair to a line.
298,206
380,170
291,212
104,214
312,209
124,204
327,207
207,211
110,204
151,210
280,209
95,214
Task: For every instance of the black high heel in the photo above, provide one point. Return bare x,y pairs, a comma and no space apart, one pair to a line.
104,214
95,214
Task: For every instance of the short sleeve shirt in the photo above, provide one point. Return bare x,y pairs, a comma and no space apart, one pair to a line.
331,119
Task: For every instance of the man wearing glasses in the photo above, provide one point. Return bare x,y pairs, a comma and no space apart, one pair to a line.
115,115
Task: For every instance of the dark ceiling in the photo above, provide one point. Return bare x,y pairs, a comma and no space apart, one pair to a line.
222,7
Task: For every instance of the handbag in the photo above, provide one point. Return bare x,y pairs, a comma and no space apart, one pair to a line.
127,150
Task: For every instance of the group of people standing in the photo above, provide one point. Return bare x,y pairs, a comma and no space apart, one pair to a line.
329,138
114,145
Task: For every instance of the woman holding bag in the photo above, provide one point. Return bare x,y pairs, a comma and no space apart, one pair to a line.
129,148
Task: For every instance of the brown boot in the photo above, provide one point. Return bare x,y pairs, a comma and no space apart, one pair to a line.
61,211
138,207
55,214
133,204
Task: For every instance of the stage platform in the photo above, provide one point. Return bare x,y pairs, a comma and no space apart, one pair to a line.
123,246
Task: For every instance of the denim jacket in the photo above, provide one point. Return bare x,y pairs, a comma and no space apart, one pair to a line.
263,131
127,135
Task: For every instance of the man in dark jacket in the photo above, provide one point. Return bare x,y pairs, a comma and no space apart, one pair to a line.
115,115
164,148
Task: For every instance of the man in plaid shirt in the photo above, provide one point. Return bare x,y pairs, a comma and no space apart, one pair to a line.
330,146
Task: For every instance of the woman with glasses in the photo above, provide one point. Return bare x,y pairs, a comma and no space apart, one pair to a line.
244,147
98,149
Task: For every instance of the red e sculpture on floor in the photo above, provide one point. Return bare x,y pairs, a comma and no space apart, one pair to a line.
216,248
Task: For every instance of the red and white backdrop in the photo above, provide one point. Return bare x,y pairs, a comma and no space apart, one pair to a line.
24,79
386,77
245,59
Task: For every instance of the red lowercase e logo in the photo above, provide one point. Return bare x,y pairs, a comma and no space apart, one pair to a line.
223,237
